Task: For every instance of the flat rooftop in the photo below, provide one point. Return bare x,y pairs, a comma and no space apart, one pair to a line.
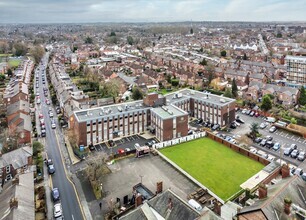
207,97
171,98
168,111
109,110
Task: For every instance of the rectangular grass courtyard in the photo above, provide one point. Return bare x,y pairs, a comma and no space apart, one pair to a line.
216,166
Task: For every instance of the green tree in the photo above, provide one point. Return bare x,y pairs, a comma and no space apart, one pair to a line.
112,34
279,35
245,56
203,62
191,30
228,93
110,88
88,40
175,82
234,88
20,49
266,104
37,148
37,52
137,93
302,99
130,40
223,53
293,121
2,77
254,130
210,77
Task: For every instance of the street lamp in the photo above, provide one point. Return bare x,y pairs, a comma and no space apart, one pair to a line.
101,186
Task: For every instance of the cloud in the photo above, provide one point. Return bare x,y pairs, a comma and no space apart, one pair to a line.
42,11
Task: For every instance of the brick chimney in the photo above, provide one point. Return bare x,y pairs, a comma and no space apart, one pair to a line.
159,187
262,191
13,203
217,207
15,181
138,200
287,205
285,171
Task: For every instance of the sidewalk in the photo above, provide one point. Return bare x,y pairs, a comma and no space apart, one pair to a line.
72,157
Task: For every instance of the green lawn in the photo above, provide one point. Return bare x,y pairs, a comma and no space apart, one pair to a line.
14,62
216,166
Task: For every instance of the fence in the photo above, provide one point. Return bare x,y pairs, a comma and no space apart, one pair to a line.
179,140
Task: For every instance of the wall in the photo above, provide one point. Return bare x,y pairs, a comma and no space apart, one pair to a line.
239,149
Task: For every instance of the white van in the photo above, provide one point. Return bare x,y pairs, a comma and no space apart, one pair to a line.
194,204
270,119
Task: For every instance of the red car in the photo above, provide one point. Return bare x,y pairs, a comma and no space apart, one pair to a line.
120,151
257,114
41,116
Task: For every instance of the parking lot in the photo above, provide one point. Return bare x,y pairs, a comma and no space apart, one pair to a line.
279,136
125,143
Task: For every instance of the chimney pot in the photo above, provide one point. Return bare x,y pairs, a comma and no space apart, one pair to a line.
13,203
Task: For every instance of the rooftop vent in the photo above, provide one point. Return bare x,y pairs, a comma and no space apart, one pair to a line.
165,108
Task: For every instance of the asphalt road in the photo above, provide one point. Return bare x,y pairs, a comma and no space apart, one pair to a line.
69,200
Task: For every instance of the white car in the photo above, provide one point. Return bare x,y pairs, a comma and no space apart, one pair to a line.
57,212
53,126
253,150
38,101
51,114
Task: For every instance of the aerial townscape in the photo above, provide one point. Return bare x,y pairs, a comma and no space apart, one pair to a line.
153,110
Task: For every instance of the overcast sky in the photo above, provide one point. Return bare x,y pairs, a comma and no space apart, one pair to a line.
58,11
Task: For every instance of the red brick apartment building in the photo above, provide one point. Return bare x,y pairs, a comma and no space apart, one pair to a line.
167,115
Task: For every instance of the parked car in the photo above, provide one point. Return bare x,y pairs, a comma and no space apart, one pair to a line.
190,132
55,194
240,120
295,153
248,112
257,114
53,125
43,132
271,157
258,140
272,129
150,143
199,121
215,127
269,138
253,150
51,114
233,125
269,144
276,146
301,156
49,162
57,211
263,125
263,142
287,151
51,169
252,113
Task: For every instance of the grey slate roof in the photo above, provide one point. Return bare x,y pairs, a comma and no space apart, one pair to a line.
24,193
159,203
20,105
17,158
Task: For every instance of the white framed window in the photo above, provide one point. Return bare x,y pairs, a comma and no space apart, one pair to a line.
8,177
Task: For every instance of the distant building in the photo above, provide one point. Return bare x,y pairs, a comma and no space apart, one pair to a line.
296,68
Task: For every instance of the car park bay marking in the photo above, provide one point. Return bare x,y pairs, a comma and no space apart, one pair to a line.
298,139
286,135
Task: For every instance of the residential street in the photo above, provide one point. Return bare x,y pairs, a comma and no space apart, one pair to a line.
69,200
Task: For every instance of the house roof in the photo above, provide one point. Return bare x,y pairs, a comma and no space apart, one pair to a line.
273,206
21,105
157,208
17,158
24,193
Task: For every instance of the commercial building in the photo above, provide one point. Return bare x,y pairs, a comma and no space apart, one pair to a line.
296,71
166,116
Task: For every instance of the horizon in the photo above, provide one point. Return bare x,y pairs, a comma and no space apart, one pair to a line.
143,11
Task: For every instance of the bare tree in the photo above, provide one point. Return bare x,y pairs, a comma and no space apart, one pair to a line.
73,137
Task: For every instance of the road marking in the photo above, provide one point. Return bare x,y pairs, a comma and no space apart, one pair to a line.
72,217
298,139
286,135
76,193
292,136
304,141
281,133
